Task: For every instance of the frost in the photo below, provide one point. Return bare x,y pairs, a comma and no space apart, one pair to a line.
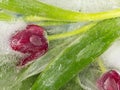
111,57
85,5
60,67
8,57
48,81
6,30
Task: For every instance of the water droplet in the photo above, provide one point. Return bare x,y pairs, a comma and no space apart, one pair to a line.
35,40
60,67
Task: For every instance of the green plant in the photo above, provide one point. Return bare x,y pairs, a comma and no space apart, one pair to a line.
69,52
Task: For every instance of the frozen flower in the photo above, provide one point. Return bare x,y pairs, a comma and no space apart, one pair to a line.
109,81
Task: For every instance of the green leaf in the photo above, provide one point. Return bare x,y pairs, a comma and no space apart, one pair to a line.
48,12
5,16
73,84
80,53
71,33
26,84
52,23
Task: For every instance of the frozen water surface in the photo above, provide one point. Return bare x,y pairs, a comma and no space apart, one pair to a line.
6,30
111,57
7,55
85,5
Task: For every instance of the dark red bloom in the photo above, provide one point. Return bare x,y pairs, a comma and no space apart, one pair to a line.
30,41
109,81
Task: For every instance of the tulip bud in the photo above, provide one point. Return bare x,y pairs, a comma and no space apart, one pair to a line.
31,41
109,81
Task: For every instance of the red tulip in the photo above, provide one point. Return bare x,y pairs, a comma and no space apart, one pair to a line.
31,41
109,81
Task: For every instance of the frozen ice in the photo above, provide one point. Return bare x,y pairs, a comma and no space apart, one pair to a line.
6,30
85,5
111,57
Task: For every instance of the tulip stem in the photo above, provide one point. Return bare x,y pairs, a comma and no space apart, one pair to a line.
71,33
101,65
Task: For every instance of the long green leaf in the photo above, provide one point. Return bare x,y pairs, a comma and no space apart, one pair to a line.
73,84
52,23
78,55
5,16
48,12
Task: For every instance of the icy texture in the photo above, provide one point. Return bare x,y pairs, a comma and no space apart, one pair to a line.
39,65
6,30
84,5
111,57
